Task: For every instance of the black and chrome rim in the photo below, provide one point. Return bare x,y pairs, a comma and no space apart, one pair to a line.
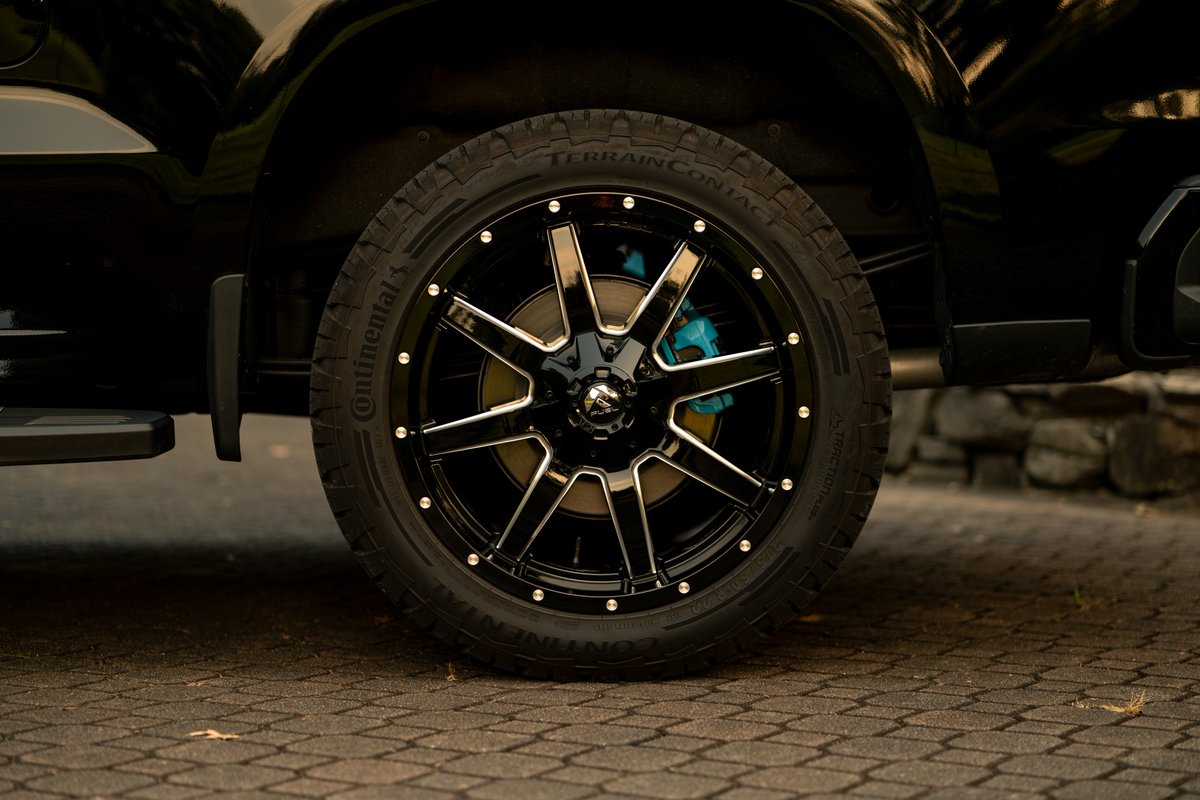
551,440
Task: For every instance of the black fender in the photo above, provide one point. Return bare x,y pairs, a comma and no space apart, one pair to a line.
937,99
939,104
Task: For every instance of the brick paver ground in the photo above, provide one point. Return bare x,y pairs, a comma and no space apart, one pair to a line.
972,646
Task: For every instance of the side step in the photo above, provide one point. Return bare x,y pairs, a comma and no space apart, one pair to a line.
57,435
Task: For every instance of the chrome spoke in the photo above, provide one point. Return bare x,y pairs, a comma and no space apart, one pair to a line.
711,375
699,461
576,298
648,322
628,508
541,499
499,425
516,348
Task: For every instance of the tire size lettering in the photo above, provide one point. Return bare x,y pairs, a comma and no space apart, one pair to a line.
737,584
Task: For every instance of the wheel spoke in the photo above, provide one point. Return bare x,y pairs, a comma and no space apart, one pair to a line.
648,322
575,295
505,423
540,501
513,346
628,508
711,375
691,456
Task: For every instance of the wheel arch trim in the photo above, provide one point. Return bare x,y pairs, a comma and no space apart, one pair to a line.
928,83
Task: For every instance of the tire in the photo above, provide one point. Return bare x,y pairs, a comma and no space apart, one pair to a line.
522,464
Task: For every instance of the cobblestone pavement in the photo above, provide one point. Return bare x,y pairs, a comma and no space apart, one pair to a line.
971,646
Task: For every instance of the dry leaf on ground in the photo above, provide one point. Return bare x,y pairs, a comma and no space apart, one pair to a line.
209,733
1087,602
1132,708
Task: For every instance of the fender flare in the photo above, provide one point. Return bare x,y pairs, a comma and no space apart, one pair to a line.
926,80
284,61
950,134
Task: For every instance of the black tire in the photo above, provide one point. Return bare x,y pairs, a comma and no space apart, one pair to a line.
706,501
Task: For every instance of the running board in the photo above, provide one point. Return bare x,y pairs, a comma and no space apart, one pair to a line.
57,435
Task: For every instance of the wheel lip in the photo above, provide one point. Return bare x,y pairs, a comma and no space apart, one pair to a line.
443,517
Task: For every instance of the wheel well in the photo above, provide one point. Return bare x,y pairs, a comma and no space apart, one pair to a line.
782,81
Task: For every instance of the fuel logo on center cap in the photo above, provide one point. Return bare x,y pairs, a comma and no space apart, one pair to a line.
601,402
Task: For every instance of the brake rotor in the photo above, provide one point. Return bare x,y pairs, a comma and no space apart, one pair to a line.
541,316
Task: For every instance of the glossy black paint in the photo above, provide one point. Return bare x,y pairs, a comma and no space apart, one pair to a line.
992,165
24,25
1091,112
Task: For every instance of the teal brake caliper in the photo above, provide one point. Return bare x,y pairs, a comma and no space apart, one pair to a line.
691,337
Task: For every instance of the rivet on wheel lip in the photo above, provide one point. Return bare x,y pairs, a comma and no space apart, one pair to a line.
485,237
433,289
404,358
401,432
744,545
538,595
425,502
786,484
684,587
473,559
628,202
611,605
805,412
698,226
793,338
554,206
756,273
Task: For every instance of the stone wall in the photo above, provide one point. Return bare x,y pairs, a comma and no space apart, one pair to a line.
1137,435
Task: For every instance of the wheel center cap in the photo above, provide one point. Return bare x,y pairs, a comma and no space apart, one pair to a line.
602,403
